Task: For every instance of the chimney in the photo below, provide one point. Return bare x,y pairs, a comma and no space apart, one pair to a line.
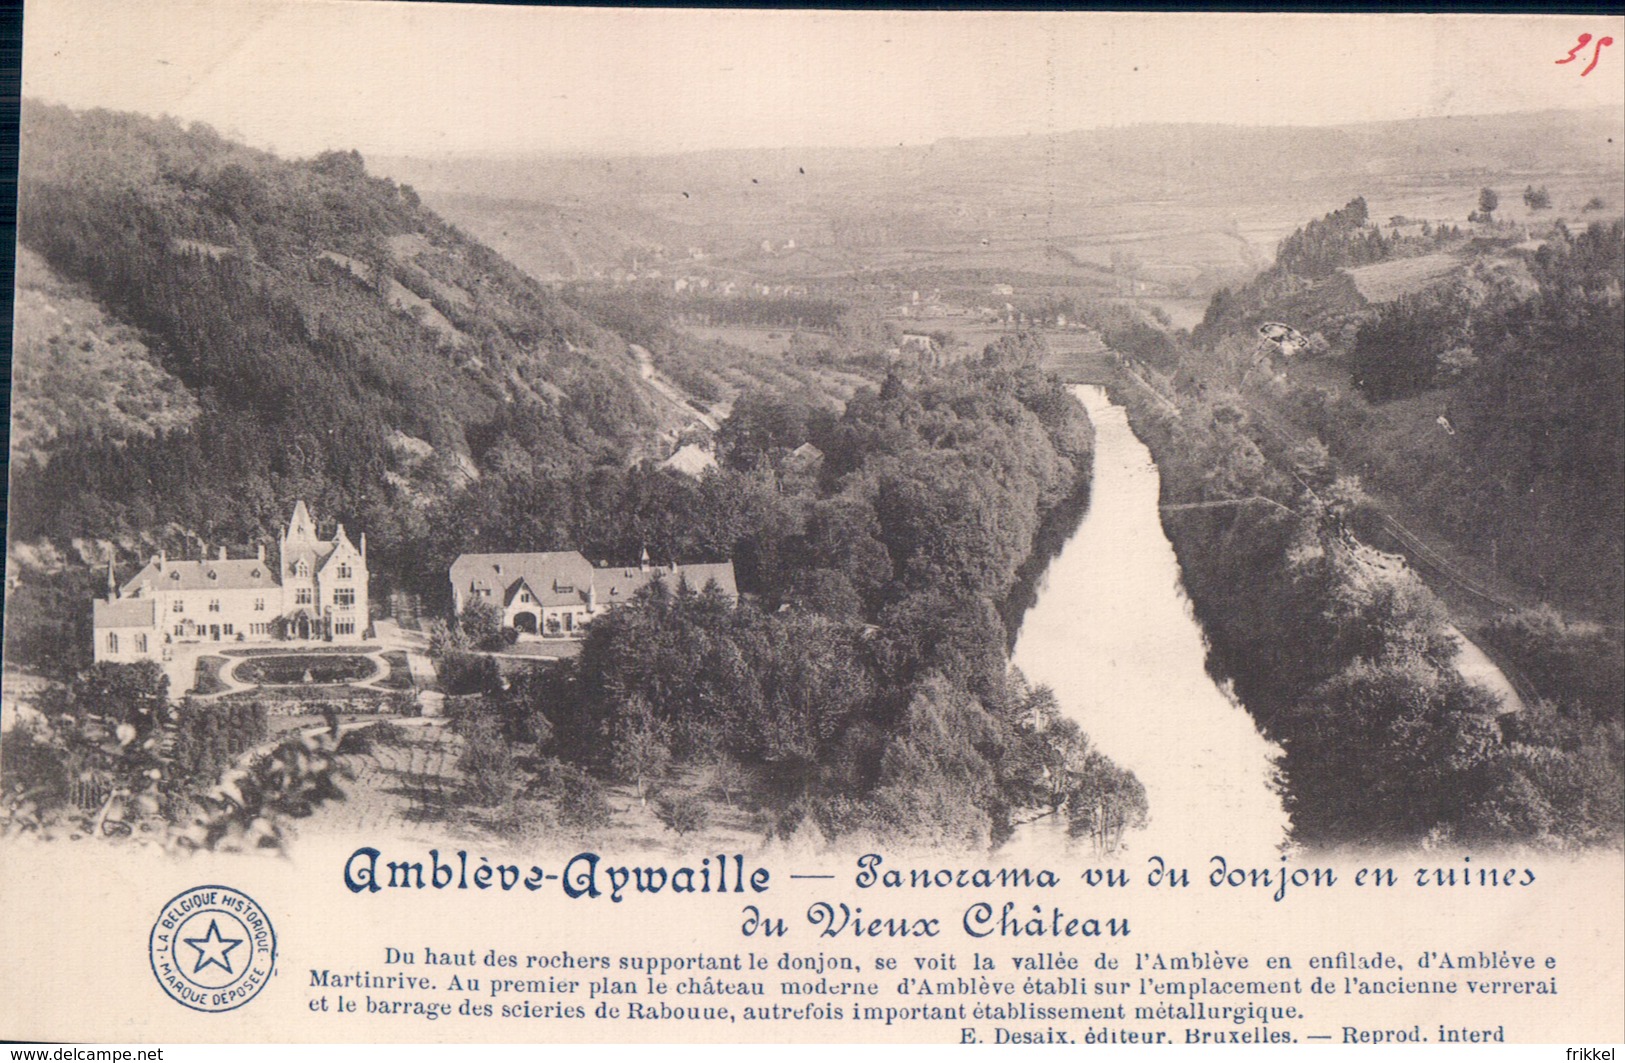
163,556
643,562
260,552
222,556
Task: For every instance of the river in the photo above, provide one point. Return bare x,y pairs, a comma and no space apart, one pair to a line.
1112,633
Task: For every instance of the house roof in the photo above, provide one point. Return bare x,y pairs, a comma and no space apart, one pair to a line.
699,575
230,575
692,459
125,612
564,577
560,577
806,454
616,585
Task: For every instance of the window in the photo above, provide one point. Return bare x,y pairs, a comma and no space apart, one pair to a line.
214,605
344,572
344,627
141,644
301,569
259,605
344,597
180,629
178,607
524,596
226,629
259,629
112,642
301,596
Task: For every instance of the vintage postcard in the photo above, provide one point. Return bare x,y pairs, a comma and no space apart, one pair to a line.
533,524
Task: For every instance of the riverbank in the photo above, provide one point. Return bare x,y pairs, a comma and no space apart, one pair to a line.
1343,655
1059,525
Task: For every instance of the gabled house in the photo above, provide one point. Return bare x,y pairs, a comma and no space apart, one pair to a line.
557,594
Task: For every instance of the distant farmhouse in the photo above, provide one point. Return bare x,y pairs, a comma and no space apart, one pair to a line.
918,343
805,458
316,588
691,459
556,595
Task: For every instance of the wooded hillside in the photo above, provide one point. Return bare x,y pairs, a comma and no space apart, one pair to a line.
332,339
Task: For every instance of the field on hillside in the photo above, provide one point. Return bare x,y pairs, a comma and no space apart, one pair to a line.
770,342
1386,281
729,360
409,784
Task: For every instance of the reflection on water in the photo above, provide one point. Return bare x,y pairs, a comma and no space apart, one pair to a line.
1112,633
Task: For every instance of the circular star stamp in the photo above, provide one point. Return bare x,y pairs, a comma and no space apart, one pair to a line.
213,948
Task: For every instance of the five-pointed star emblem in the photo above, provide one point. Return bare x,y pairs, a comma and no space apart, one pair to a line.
212,948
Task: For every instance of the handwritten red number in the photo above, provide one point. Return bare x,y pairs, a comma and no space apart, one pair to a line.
1597,55
1585,39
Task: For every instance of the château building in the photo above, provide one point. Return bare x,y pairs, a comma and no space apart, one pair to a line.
558,594
314,588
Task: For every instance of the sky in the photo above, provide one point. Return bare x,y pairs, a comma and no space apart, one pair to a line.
301,76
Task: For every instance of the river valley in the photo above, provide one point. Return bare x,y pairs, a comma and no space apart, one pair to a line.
1112,633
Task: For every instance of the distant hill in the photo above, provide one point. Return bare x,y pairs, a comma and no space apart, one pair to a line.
207,332
1189,200
1472,374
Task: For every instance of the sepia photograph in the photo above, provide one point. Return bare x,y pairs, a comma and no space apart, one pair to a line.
973,464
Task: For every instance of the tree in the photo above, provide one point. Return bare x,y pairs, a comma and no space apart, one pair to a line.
641,753
103,746
1382,752
1488,201
481,622
1106,802
486,763
581,806
469,673
1537,198
134,694
762,426
682,813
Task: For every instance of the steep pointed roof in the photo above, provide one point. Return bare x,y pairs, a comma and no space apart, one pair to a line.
300,525
323,555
